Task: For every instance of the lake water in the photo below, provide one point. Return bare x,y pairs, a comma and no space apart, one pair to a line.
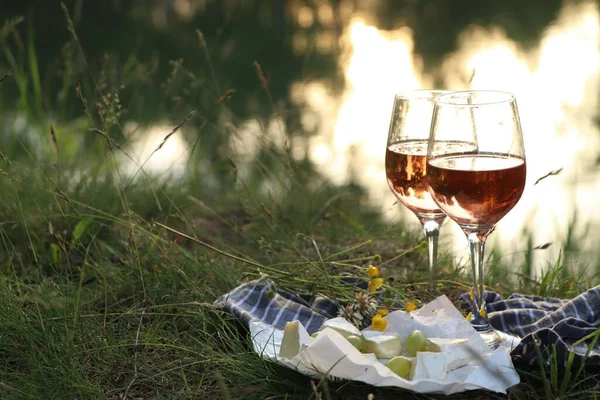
555,81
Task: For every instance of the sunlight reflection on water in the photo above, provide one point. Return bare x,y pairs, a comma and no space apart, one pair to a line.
169,161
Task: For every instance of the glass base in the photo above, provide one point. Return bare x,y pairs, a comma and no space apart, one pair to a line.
491,338
494,338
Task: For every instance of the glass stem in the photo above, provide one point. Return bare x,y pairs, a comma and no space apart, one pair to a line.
479,318
432,233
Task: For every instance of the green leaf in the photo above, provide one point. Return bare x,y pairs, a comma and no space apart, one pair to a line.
80,229
53,253
567,375
554,369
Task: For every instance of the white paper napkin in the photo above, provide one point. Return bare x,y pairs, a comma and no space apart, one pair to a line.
332,355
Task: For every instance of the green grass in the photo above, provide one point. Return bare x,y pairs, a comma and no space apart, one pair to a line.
104,300
107,283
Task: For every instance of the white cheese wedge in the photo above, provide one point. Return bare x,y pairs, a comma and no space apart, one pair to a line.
383,345
429,365
342,326
294,336
458,352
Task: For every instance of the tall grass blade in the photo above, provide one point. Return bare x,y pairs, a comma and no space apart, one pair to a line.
567,377
554,369
20,77
9,26
6,75
34,70
543,376
592,344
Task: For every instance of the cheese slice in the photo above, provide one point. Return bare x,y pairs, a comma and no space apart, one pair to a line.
294,337
342,326
429,365
383,345
458,352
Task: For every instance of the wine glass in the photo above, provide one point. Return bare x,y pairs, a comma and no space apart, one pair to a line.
405,162
476,174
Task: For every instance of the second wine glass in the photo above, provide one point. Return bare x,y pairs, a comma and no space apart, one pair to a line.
476,174
405,162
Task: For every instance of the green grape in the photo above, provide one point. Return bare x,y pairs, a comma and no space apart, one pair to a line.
400,365
355,341
415,341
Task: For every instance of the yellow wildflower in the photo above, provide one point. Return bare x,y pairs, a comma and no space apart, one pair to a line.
468,316
410,306
378,323
375,284
382,311
482,312
373,271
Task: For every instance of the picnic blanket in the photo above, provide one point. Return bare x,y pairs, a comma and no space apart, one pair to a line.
550,321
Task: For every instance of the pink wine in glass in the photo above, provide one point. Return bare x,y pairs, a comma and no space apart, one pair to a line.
476,189
406,171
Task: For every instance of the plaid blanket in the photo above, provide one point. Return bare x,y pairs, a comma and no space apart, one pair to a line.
548,321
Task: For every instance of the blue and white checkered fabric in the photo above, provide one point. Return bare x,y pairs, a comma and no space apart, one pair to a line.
552,321
257,300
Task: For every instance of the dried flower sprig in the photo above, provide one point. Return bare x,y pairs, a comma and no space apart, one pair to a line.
361,309
365,307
